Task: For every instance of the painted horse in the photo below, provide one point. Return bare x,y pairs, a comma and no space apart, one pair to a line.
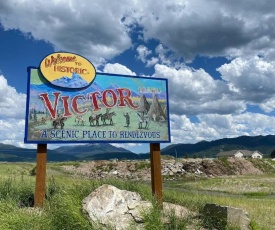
95,118
108,116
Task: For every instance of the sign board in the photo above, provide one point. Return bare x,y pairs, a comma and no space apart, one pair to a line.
67,101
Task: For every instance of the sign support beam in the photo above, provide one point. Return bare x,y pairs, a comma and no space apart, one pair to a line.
40,186
156,178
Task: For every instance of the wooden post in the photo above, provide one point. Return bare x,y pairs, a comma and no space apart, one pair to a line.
40,185
156,171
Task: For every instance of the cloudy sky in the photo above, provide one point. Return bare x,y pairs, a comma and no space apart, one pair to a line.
218,57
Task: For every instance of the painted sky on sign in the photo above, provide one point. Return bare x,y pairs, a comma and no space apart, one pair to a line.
129,82
218,56
106,80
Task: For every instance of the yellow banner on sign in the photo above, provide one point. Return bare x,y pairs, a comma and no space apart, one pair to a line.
67,70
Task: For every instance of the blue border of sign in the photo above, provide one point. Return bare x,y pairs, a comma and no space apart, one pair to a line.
93,141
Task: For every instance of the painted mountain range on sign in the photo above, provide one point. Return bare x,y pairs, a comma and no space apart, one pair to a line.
75,81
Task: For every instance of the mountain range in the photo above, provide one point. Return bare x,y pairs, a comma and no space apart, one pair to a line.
102,151
106,151
98,151
264,144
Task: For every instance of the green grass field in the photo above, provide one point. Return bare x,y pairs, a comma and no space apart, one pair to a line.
62,209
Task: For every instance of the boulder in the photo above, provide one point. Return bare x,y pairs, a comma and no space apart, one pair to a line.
222,216
112,208
177,210
108,206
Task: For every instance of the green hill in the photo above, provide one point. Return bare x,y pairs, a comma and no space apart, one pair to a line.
264,144
102,151
12,153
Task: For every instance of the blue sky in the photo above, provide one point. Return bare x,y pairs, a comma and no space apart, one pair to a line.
218,56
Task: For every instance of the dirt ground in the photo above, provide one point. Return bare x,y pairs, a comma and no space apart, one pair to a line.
140,170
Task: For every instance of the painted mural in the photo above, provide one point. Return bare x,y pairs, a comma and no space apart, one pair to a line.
112,108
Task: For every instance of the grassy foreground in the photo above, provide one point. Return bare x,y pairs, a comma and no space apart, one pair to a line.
65,193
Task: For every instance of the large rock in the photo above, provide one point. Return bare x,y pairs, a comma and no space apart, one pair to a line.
119,209
222,216
111,206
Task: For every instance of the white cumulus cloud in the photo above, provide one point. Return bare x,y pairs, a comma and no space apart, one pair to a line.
209,28
12,103
101,29
194,92
91,28
252,80
143,53
217,126
117,68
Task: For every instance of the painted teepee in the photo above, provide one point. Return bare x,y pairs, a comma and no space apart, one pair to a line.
143,104
155,111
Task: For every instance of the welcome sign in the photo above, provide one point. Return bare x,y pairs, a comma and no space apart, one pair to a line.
67,101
